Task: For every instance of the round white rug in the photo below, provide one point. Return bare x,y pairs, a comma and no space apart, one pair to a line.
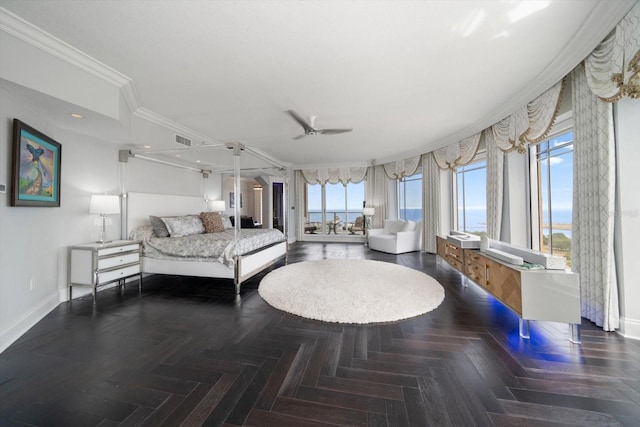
351,291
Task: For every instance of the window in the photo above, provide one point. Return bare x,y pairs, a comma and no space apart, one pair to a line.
410,197
332,208
552,186
471,188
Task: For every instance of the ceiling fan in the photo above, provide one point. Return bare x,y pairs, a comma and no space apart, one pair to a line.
309,128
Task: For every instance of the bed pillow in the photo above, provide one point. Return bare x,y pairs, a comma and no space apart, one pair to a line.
180,226
212,222
226,222
159,227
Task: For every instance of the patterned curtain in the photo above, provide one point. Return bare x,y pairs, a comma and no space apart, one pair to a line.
495,179
594,204
334,175
531,123
402,168
458,154
613,68
430,202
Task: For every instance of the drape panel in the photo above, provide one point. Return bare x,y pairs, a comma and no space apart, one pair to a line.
377,194
335,175
458,154
594,204
495,178
300,203
613,68
430,202
402,168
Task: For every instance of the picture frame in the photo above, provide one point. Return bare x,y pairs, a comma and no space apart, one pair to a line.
35,167
232,200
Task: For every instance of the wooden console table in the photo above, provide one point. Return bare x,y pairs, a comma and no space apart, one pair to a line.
550,295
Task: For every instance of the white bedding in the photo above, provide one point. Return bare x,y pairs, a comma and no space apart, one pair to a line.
219,247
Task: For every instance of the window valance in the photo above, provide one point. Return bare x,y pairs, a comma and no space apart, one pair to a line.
334,175
529,124
458,154
613,68
402,168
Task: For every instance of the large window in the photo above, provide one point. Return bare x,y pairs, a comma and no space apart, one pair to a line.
471,189
333,208
553,186
410,197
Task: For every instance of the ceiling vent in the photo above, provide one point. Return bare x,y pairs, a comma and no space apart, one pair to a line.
182,140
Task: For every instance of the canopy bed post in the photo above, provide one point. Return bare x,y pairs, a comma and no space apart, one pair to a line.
237,149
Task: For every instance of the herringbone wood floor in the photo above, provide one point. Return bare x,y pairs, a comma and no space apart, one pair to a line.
188,352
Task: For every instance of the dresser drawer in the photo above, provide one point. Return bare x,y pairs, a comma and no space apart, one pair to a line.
118,249
454,251
476,272
114,261
455,263
109,276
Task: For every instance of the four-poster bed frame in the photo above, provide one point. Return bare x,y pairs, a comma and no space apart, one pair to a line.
138,206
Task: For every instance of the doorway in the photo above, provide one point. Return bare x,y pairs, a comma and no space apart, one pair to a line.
278,206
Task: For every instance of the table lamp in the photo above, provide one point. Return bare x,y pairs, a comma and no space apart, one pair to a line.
103,205
217,205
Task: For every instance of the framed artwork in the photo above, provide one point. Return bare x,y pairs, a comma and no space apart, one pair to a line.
35,168
232,200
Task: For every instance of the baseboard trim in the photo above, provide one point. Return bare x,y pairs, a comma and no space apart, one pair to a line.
629,328
9,335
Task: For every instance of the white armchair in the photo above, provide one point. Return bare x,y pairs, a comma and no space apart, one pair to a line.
397,236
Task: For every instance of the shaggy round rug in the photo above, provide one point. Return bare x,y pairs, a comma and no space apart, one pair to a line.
351,291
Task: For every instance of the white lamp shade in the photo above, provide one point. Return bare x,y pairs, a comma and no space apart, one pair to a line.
368,211
217,205
104,204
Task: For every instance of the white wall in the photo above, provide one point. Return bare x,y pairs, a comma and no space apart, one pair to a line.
628,214
34,241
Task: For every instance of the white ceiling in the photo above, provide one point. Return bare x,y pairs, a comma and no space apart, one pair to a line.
407,76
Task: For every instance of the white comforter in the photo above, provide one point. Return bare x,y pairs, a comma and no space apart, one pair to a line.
219,247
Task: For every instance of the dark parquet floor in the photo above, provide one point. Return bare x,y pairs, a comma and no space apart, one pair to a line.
187,352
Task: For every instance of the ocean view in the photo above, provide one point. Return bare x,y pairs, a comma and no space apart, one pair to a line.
476,219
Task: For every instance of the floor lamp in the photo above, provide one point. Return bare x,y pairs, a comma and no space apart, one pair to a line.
368,213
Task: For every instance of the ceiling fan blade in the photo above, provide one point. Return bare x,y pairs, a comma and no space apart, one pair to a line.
333,131
299,136
301,121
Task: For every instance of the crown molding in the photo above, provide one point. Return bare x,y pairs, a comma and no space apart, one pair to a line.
29,33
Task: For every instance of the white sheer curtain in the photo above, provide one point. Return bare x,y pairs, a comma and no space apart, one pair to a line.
495,179
377,193
594,204
430,202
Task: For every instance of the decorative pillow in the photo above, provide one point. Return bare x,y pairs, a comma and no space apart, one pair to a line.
180,226
395,226
226,222
409,226
212,222
159,228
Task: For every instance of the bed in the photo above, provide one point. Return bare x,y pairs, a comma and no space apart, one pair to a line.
254,251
